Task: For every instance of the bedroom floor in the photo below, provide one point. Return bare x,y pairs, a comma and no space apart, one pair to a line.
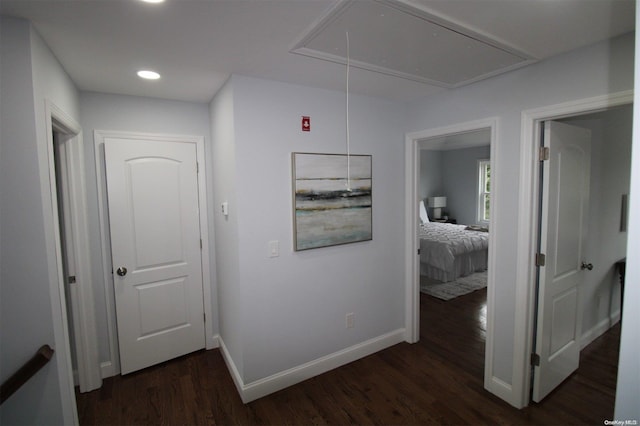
436,381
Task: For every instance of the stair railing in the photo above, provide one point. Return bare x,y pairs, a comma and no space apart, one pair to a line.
20,377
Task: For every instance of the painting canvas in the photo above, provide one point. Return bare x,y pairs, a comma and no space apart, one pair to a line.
332,199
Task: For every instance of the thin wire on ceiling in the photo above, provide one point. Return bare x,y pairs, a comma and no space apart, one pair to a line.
347,119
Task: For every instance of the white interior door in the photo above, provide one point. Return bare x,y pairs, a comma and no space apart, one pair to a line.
564,222
152,192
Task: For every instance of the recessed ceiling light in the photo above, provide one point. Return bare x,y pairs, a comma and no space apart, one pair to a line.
153,1
148,75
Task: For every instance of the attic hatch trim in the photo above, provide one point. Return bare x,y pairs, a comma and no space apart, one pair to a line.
403,6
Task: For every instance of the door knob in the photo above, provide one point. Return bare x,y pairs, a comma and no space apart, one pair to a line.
587,266
121,271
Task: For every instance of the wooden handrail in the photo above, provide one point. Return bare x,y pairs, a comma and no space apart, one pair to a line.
25,372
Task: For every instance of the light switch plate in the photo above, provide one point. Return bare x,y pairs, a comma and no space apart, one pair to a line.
274,248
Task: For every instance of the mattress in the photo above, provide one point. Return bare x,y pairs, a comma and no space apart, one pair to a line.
449,251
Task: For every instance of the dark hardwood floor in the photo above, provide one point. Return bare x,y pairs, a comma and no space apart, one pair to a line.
436,381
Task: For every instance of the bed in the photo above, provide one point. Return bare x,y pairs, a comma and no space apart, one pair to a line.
449,251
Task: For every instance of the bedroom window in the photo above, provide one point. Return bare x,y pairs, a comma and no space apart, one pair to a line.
484,190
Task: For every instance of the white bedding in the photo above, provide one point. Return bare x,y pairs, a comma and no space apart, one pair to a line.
449,251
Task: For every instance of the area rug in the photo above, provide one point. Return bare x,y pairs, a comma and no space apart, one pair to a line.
453,289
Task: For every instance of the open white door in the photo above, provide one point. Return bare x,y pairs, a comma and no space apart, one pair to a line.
152,191
565,204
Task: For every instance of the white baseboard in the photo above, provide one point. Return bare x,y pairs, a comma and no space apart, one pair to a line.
107,369
259,388
502,390
231,366
599,329
215,340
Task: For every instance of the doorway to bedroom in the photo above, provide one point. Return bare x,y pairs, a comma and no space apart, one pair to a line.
454,192
461,327
455,195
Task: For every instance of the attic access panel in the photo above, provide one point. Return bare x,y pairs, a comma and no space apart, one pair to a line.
391,37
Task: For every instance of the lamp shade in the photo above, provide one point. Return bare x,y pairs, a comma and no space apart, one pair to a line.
437,202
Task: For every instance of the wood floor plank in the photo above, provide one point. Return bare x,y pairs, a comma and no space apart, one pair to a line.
436,381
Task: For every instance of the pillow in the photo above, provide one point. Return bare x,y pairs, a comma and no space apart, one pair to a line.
424,217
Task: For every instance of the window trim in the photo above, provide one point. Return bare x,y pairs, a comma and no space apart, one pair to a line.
480,192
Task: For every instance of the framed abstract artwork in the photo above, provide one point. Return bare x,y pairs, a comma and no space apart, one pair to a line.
331,199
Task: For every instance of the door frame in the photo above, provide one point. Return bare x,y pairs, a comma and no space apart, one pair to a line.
528,222
112,367
82,300
412,264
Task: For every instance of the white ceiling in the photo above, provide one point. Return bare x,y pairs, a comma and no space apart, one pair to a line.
197,44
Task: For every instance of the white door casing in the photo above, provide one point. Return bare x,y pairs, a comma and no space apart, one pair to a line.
152,192
492,382
564,221
85,331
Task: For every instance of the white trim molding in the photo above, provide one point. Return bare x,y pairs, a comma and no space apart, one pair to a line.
481,181
268,385
81,292
528,225
51,223
112,366
412,281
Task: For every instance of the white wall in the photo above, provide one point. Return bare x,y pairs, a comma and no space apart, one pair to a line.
596,70
454,174
132,114
628,389
293,306
32,311
223,157
430,174
460,182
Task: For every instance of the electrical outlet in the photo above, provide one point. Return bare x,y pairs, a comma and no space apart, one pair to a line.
350,319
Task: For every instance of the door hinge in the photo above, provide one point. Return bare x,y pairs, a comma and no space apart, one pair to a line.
540,259
544,153
204,317
535,360
418,252
200,243
197,167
